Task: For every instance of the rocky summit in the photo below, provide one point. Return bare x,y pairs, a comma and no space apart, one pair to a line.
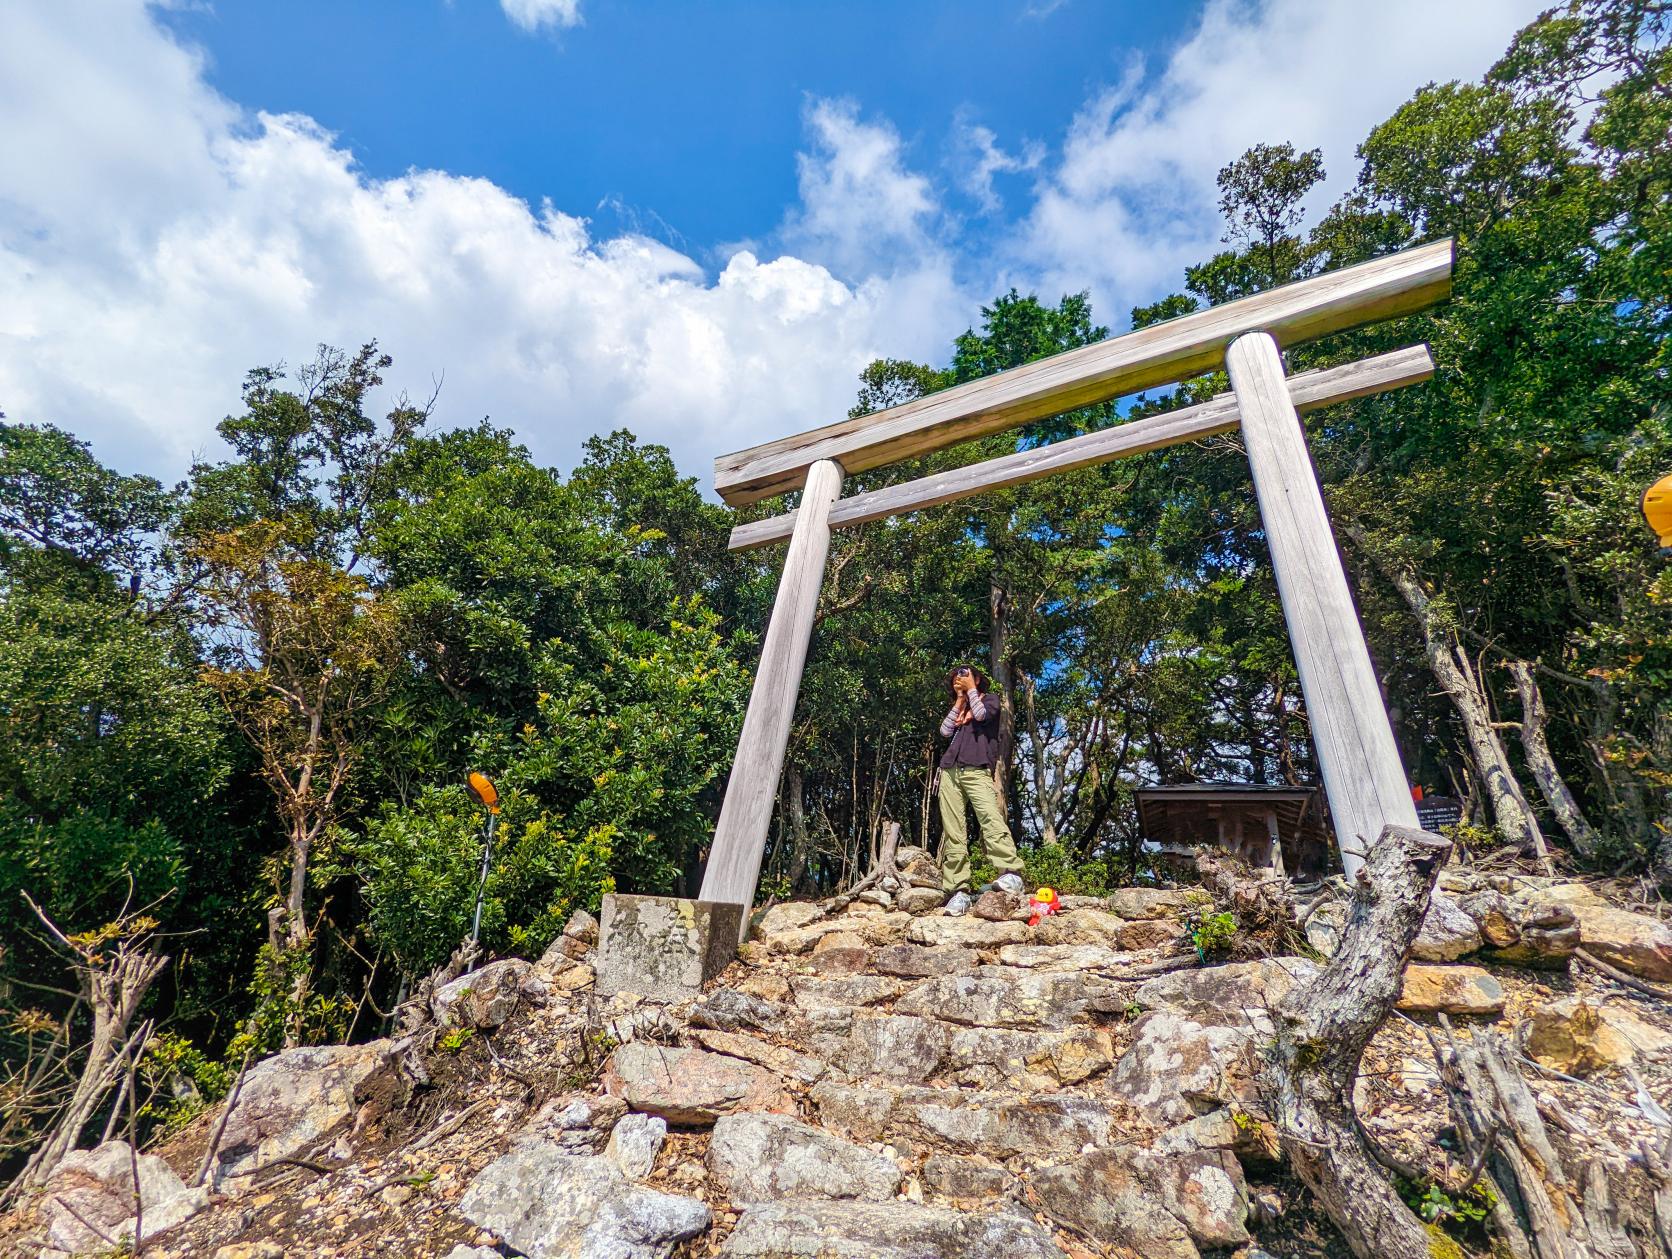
958,1088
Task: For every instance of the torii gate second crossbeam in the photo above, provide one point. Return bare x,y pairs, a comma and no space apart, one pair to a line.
1363,777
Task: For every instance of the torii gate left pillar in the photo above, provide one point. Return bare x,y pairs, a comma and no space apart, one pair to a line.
734,863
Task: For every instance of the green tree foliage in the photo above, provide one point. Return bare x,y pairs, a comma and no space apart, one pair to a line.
422,870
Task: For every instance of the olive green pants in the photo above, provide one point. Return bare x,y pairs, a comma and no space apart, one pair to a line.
973,787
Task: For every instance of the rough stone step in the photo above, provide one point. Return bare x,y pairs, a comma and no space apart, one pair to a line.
1072,957
914,961
1160,1206
825,992
1237,995
690,1087
807,1068
1176,1068
1002,997
961,1121
910,1049
877,1230
969,933
1139,903
755,1158
548,1203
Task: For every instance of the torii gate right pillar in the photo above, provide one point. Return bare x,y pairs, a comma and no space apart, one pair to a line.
1363,777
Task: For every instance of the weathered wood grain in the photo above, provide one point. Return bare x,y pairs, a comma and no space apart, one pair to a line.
734,860
1308,391
1363,777
1382,288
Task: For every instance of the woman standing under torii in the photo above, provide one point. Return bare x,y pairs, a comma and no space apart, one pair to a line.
966,780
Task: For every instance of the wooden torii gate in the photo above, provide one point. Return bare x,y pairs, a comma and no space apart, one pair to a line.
1363,777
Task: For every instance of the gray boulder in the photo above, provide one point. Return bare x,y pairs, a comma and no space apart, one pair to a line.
578,1123
1522,933
292,1100
1138,903
884,1230
1026,999
552,1205
1051,1126
1634,942
1177,1068
968,933
919,900
581,926
953,1176
914,961
1104,1196
690,1086
1447,933
988,1057
635,1142
1202,1189
1238,995
96,1187
764,1158
896,1047
728,1010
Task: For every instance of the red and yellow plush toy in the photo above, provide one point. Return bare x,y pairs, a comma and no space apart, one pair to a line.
1043,903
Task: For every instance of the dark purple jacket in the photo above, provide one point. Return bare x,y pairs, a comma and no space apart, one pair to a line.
975,744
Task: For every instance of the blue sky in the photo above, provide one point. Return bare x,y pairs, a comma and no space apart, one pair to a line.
679,119
694,220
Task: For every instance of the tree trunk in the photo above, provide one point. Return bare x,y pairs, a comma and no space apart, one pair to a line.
998,654
1456,674
1322,1029
1663,849
1047,792
795,826
295,903
1545,772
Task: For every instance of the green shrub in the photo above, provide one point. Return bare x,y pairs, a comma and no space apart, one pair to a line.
420,868
182,1081
1051,865
1211,933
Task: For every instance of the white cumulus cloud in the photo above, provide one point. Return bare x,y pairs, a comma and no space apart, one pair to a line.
531,15
1131,200
862,208
156,242
978,158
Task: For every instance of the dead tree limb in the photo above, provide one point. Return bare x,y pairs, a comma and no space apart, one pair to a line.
887,867
114,968
1557,1215
1546,773
414,1012
1322,1029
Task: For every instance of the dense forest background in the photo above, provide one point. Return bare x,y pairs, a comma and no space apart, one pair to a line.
236,715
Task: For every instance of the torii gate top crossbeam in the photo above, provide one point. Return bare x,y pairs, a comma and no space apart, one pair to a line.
1308,391
1399,284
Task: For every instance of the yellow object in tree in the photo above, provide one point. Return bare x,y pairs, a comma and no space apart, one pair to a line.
1657,509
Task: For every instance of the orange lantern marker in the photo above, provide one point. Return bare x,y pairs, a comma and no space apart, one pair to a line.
1657,509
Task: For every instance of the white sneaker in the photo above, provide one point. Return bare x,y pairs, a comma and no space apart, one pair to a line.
958,904
1010,882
